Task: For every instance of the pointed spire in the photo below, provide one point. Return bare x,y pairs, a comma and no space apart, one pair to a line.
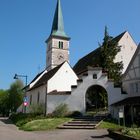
58,25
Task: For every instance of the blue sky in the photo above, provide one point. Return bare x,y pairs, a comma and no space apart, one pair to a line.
26,24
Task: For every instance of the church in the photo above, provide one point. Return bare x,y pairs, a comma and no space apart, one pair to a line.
59,83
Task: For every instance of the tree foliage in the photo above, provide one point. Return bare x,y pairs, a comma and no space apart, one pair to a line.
4,97
15,95
109,50
11,99
97,97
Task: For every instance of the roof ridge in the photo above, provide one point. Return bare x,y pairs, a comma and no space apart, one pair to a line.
48,75
132,60
118,37
36,76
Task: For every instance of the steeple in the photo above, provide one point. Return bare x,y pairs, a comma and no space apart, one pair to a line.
58,42
58,25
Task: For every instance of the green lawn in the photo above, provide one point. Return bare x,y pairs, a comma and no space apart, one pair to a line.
109,125
32,122
44,124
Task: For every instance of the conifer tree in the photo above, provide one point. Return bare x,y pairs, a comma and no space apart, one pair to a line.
109,50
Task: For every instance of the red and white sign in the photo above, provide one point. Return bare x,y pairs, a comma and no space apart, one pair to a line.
25,103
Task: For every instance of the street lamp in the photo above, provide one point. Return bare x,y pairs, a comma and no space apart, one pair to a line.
25,98
25,76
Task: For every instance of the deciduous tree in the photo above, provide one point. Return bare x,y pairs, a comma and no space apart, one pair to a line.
15,95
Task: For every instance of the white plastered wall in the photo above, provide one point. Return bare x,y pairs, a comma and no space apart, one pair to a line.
34,93
128,48
76,101
63,79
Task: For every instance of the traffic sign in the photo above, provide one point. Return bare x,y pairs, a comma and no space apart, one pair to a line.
25,99
25,103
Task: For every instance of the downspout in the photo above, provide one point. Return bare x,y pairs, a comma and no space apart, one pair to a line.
132,116
45,101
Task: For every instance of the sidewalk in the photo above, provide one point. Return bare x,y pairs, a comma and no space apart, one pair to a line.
9,132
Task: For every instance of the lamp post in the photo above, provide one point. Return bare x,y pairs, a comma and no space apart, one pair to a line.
23,76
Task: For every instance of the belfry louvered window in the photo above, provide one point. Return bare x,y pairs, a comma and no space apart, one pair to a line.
60,45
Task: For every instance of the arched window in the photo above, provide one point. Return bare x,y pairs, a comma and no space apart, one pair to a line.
30,99
38,97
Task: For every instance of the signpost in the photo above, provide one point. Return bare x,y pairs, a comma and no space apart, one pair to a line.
121,116
25,103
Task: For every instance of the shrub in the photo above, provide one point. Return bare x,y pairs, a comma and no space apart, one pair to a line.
20,118
135,132
60,111
36,109
75,114
17,116
50,115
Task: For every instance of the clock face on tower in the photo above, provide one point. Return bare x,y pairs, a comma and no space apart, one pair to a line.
60,57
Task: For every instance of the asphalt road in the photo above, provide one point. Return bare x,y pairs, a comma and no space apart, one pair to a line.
8,131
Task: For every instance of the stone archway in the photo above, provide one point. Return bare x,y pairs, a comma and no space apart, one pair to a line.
96,98
90,78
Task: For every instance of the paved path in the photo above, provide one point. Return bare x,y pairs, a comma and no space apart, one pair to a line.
9,132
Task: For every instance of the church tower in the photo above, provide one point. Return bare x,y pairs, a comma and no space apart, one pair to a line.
58,42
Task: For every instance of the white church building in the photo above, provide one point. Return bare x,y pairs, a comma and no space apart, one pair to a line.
59,83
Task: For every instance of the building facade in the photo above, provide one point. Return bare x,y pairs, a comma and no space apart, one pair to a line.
130,99
126,44
59,83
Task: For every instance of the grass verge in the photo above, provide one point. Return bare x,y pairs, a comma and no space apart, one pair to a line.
32,122
44,124
109,124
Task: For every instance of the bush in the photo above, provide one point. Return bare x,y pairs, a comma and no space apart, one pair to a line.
20,118
60,111
36,109
75,114
17,116
134,132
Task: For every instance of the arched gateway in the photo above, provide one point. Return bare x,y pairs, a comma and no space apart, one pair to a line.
76,99
96,98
